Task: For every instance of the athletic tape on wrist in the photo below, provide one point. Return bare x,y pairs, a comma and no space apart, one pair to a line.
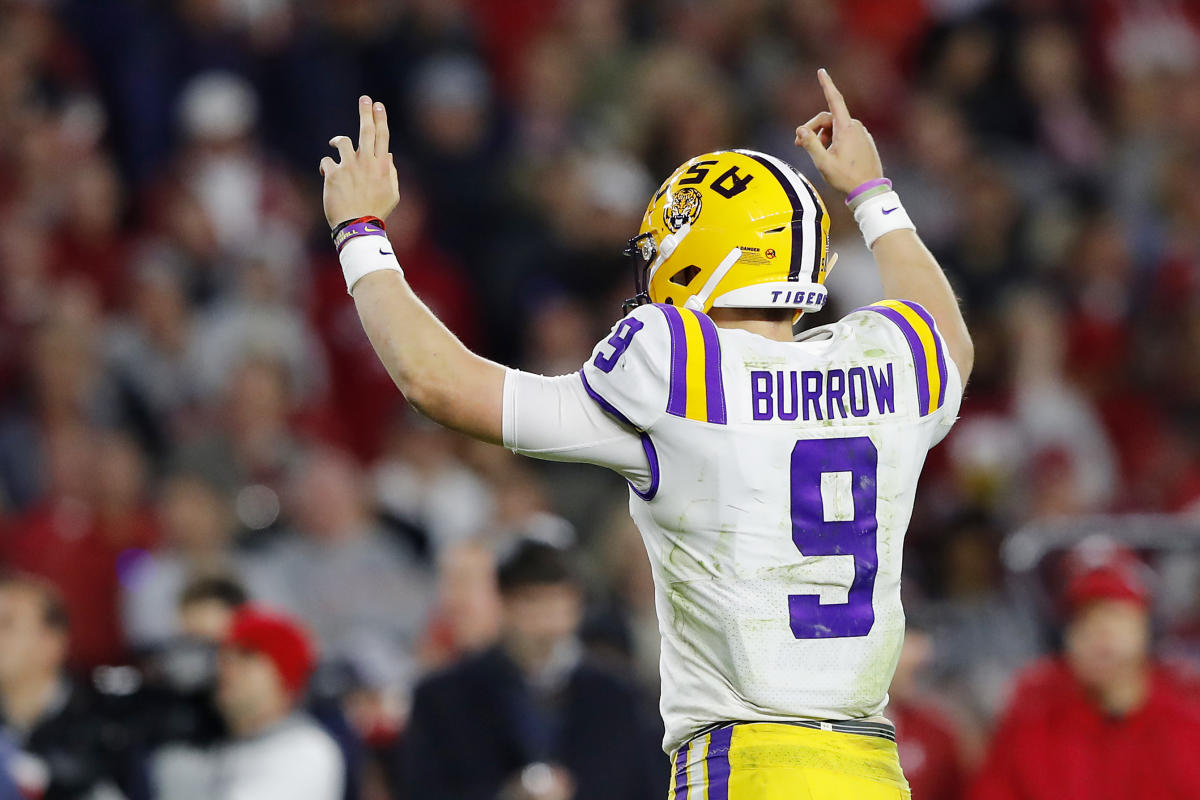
881,214
363,255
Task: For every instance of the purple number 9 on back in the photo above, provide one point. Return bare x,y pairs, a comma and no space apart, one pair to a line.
814,536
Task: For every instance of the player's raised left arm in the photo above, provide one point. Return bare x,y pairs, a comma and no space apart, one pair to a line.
434,370
843,150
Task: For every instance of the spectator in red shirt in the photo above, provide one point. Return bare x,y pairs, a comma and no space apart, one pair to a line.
1105,719
89,245
82,535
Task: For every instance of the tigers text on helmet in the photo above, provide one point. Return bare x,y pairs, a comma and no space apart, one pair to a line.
734,229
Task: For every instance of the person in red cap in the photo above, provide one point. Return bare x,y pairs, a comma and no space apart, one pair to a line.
264,667
275,751
1104,719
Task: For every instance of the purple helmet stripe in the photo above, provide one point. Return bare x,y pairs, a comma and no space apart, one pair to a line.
938,346
819,216
677,396
918,352
712,370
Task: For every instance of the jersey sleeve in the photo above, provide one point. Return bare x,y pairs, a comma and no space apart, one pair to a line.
555,419
904,330
628,373
601,414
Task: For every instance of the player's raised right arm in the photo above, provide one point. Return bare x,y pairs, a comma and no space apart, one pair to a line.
844,152
434,370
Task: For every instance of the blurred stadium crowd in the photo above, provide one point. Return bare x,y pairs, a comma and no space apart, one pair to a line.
191,414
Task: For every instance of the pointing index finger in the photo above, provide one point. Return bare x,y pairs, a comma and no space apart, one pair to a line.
366,127
837,104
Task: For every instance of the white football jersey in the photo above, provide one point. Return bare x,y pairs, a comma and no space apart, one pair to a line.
780,482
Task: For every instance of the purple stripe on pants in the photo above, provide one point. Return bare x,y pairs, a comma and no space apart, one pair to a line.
718,763
677,397
938,345
712,370
681,786
918,353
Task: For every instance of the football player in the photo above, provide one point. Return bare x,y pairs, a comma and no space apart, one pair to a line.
771,475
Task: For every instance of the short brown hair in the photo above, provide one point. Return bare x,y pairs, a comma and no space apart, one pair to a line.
531,562
218,588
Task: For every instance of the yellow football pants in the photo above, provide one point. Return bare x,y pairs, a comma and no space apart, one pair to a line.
774,761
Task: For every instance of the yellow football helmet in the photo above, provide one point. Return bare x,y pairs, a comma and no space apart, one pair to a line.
734,229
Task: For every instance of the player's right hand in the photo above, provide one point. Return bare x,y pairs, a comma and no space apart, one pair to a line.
364,182
840,146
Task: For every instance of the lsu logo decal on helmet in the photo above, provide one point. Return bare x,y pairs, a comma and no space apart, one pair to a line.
684,208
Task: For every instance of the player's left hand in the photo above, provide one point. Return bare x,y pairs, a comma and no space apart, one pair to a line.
363,183
841,147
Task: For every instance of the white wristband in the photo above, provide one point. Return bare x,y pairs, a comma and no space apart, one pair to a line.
882,214
365,254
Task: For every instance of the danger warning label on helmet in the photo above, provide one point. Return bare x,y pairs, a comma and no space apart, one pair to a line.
753,256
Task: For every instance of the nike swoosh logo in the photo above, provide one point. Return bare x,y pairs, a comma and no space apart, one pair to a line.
383,252
890,210
369,229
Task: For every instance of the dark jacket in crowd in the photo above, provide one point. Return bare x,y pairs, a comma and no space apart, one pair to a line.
81,742
477,724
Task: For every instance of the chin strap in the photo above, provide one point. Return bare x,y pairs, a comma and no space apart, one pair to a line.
699,301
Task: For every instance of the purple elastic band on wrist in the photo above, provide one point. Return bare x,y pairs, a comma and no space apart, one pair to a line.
354,231
866,187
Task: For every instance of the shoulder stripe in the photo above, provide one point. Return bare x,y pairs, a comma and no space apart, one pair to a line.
928,352
696,389
939,348
714,385
677,394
